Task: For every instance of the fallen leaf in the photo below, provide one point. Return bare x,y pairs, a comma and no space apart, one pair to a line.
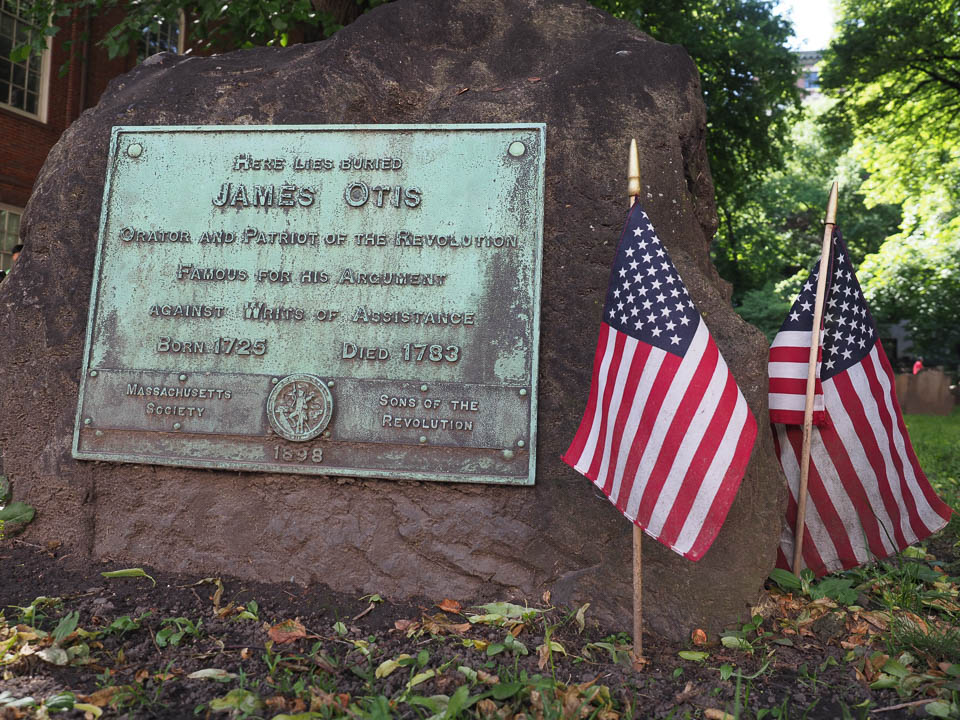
141,675
546,593
212,674
487,708
450,606
287,631
277,702
128,572
580,617
461,91
439,624
404,625
715,714
533,79
485,677
698,637
101,697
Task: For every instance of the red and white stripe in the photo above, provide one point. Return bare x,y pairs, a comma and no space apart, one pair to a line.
868,497
666,438
789,359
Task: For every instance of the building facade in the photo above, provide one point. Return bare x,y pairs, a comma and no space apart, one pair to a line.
42,95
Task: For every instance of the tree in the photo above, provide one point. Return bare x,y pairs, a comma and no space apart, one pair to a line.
917,280
780,227
748,77
212,24
894,68
747,73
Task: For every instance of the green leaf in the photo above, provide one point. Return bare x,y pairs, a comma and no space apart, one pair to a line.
892,667
458,701
217,674
67,624
20,54
884,682
4,489
726,670
61,701
495,649
17,512
502,691
128,573
694,655
785,579
421,677
388,666
938,708
242,701
736,643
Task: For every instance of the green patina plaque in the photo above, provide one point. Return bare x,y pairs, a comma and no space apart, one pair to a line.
356,300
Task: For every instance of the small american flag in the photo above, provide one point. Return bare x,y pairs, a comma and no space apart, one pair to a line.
868,497
667,434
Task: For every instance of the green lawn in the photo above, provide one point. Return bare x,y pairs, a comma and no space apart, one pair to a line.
936,439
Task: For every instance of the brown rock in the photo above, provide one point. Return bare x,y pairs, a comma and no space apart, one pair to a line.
601,83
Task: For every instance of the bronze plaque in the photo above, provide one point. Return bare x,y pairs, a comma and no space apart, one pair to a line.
335,300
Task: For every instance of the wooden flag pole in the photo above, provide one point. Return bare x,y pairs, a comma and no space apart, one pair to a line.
829,223
633,194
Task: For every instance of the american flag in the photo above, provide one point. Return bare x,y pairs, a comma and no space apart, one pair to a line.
868,497
667,434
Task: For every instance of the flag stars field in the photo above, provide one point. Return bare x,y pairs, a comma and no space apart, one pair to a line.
666,434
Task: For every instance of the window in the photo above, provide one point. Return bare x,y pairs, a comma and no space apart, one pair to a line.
9,234
22,84
161,35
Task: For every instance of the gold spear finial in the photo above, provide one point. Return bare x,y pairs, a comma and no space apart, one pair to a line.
832,204
633,173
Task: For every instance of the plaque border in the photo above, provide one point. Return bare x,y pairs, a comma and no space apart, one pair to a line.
230,465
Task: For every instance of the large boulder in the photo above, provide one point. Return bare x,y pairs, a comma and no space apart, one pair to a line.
596,82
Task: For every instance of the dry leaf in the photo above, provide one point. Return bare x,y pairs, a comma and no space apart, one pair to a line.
287,631
141,675
485,677
448,605
698,637
715,714
461,91
487,708
439,624
277,702
101,697
245,654
543,653
533,79
404,625
546,593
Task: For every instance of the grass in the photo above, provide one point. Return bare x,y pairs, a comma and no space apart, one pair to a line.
936,440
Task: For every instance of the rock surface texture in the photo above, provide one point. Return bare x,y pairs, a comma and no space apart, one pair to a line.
596,82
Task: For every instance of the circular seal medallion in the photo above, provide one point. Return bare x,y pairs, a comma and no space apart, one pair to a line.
299,407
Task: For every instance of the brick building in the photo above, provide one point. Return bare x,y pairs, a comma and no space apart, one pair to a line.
38,101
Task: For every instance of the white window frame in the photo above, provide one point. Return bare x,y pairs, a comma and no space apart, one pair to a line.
4,253
43,90
181,23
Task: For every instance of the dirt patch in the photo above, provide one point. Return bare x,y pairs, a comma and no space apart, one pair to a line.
139,644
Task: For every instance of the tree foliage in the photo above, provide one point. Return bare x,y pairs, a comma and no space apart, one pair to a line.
746,71
894,69
211,24
748,76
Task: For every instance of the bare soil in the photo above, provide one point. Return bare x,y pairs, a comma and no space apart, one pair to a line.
336,665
